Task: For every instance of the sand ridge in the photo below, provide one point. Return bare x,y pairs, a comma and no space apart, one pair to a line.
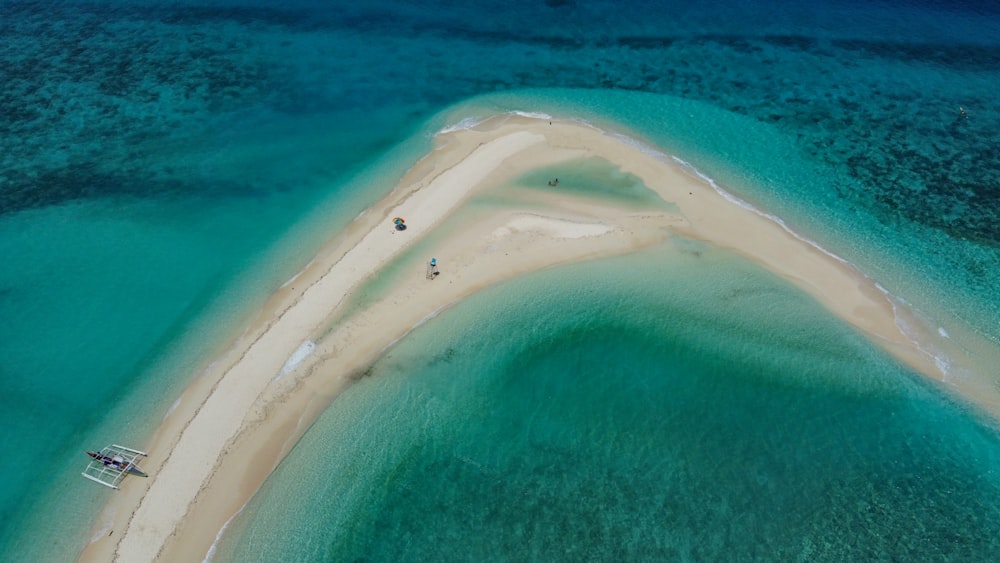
241,417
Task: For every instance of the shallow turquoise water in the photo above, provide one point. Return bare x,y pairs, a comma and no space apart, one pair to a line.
661,406
594,178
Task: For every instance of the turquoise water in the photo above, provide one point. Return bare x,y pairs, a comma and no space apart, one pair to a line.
661,406
165,166
595,178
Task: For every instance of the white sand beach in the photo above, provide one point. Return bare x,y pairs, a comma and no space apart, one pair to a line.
236,421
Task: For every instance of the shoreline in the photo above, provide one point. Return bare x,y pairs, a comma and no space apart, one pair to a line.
236,422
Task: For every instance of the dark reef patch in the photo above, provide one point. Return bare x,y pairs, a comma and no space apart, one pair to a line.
90,93
87,86
975,58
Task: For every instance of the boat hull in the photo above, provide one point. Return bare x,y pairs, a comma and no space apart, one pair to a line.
117,463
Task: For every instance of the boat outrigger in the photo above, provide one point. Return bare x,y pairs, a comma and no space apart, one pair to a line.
112,463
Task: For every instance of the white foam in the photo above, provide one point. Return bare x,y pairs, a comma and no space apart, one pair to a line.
172,408
297,357
428,317
642,147
107,521
463,124
211,366
941,361
292,279
472,121
532,114
943,332
211,550
944,365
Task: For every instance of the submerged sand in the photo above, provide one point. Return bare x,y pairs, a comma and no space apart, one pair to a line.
236,422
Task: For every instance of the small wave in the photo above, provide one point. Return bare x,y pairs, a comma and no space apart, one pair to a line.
532,114
941,360
428,317
944,365
107,522
172,408
642,147
463,124
215,544
472,121
297,357
214,363
943,332
292,279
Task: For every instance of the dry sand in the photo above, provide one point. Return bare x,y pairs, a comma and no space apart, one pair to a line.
238,420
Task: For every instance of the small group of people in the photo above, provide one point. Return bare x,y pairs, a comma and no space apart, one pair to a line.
554,182
432,269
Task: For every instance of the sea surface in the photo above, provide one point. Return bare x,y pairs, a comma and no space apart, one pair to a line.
167,165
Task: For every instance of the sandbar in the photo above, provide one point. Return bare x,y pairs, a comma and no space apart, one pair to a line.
237,420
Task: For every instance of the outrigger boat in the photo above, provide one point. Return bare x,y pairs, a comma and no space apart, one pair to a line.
111,464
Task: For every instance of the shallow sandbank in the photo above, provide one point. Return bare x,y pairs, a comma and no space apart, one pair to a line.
237,421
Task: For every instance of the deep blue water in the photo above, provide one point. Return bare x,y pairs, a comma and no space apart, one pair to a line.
166,165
